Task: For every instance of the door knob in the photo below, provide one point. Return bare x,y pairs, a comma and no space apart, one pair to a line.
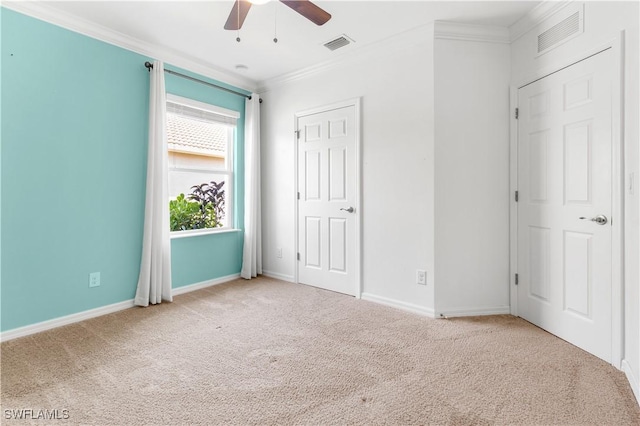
349,210
600,219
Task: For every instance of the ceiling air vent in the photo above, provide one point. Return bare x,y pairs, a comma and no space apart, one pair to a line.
339,42
562,31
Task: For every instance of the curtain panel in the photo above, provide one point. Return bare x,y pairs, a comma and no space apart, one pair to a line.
154,281
252,250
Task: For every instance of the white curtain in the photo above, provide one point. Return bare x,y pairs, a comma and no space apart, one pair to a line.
154,281
252,251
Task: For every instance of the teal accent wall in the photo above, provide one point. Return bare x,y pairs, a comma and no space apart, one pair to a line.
73,171
197,259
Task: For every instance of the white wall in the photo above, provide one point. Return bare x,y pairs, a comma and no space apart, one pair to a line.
603,22
435,194
396,85
471,176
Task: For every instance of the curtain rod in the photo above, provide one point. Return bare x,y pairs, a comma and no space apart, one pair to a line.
149,66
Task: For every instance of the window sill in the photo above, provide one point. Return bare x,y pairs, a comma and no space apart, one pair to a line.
199,232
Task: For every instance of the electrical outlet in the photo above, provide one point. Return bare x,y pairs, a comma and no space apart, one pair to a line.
421,277
279,252
94,279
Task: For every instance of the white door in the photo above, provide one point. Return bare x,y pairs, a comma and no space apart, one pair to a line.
565,204
327,200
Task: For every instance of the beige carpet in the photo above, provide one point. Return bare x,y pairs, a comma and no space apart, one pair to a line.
268,352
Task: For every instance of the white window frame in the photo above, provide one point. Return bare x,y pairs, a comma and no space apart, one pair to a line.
228,171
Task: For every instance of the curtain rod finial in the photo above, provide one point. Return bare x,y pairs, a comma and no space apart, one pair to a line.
149,66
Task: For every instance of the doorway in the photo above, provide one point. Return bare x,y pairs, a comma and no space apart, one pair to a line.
565,203
327,198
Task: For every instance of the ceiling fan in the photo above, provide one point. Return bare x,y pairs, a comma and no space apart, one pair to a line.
304,7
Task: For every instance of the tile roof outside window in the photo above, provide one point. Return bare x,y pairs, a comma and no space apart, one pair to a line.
195,136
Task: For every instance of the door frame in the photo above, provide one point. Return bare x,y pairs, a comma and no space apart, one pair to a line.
356,103
617,185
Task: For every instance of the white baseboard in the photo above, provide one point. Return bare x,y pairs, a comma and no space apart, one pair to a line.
65,320
631,377
466,312
410,307
203,284
278,276
103,310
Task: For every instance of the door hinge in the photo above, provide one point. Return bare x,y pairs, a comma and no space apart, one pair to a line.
517,279
298,256
517,113
297,132
298,195
517,196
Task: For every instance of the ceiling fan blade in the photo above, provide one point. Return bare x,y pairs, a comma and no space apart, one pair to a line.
238,14
309,10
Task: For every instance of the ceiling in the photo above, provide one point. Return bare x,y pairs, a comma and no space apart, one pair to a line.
195,28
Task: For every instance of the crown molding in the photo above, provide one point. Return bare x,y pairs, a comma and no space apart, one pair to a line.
43,12
407,39
469,32
536,16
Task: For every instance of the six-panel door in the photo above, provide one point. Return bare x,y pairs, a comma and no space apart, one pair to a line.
327,191
564,181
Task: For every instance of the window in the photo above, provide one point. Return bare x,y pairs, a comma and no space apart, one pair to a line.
200,144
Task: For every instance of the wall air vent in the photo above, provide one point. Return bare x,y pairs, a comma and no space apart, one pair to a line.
338,42
564,30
